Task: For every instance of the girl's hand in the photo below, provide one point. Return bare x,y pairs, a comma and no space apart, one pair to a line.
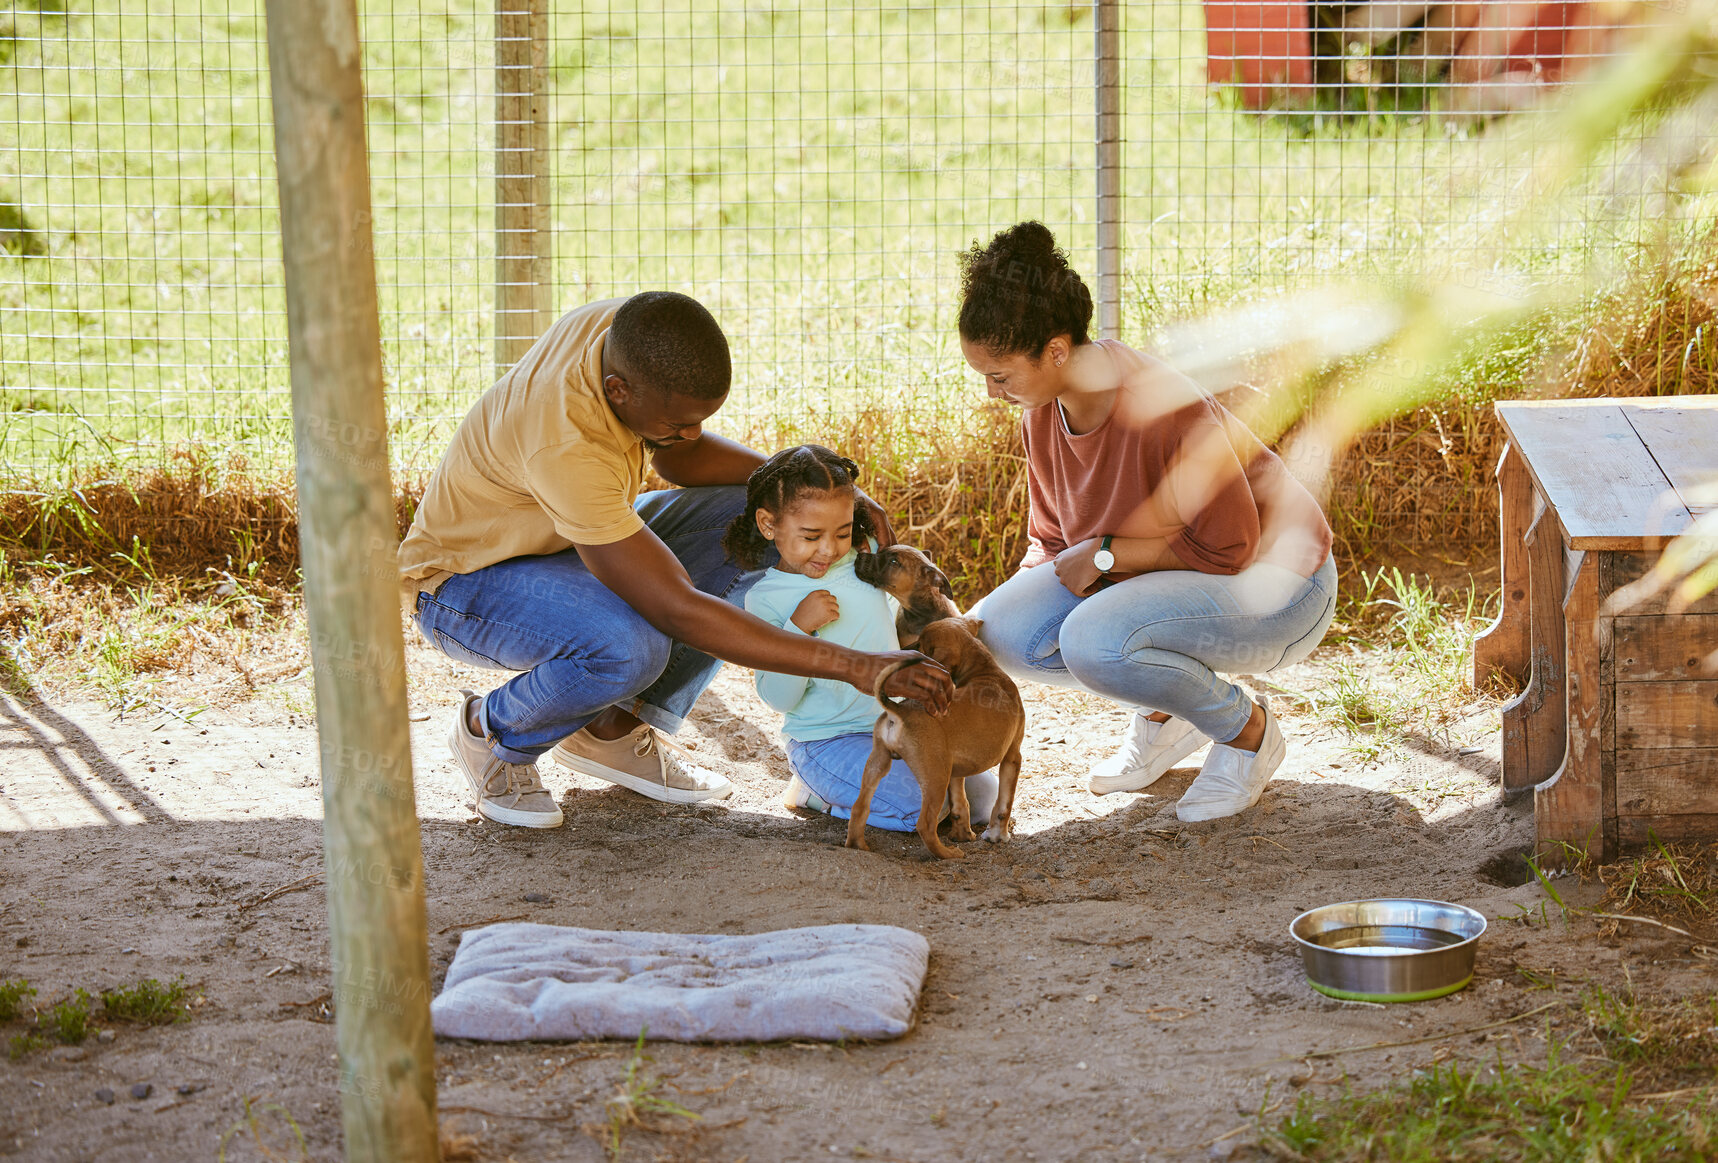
816,611
1075,569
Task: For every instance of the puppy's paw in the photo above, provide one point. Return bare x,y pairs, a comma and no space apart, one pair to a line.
998,832
857,842
961,832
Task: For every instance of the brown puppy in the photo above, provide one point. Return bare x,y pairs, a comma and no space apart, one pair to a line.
983,728
920,587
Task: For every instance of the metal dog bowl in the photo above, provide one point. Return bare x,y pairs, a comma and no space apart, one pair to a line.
1388,950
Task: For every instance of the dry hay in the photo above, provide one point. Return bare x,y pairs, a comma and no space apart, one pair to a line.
954,484
1674,882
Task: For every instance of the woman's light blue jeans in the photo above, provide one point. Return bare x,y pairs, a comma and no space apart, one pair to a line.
1161,641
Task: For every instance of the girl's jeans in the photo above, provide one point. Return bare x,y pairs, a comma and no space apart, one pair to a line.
581,647
1158,641
834,768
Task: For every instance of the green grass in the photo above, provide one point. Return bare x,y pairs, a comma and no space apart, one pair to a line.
68,1021
636,1101
149,1002
1534,1114
15,994
809,172
1646,1094
1409,670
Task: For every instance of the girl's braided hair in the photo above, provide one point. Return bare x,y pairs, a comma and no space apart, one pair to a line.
774,486
1019,292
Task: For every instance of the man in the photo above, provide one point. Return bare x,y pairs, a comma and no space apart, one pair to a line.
533,551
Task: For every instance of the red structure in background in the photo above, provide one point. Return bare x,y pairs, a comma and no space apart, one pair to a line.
1506,48
1265,50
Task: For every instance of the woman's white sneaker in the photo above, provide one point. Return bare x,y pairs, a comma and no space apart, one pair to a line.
1232,780
1149,749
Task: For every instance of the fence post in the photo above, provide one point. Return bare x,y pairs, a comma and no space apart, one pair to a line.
1108,97
524,269
373,863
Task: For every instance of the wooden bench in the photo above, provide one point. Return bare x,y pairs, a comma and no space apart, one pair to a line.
1616,728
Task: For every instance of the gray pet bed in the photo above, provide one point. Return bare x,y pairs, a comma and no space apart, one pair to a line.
517,982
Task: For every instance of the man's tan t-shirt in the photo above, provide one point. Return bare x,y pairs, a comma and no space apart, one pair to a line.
539,464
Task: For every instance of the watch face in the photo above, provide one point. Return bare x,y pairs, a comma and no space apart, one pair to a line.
1104,560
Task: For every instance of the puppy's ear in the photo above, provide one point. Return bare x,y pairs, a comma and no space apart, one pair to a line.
943,586
973,625
967,661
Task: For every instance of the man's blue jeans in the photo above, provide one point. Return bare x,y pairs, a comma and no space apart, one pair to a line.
581,647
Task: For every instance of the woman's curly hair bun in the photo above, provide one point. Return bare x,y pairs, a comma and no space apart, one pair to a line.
1020,292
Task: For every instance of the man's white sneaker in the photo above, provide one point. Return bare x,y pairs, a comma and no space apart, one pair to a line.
1149,749
1232,780
508,793
639,761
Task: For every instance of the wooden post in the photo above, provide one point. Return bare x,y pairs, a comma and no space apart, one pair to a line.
1107,98
1504,647
1569,808
374,867
524,274
1533,721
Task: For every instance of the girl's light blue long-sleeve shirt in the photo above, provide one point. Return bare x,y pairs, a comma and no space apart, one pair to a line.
820,708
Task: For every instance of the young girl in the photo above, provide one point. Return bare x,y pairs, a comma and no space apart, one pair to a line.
803,500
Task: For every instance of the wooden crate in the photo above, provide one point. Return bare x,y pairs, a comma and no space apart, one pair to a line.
1616,729
1664,746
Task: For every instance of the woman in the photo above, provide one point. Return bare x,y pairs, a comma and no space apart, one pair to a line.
1167,544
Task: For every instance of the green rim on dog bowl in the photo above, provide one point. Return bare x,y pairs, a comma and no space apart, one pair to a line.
1388,949
1423,995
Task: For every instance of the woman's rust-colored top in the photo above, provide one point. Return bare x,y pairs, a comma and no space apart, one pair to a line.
1169,461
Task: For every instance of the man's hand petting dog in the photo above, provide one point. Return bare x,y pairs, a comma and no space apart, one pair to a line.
818,609
881,529
910,675
1076,570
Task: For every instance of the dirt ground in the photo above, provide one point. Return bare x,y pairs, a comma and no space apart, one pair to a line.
1110,984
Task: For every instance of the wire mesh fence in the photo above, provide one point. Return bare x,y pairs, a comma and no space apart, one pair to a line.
810,172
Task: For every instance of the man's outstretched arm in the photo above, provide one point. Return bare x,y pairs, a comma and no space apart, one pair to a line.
652,581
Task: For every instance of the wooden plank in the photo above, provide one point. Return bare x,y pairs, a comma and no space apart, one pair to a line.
1667,714
1568,808
524,232
1593,469
1637,832
1630,569
1681,434
1674,646
1533,728
1504,648
1605,635
1667,781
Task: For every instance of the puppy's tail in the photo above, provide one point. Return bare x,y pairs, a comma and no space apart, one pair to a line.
888,673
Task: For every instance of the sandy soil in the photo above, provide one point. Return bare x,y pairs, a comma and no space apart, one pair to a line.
1111,984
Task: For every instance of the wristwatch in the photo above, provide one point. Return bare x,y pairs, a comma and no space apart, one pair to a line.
1103,558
